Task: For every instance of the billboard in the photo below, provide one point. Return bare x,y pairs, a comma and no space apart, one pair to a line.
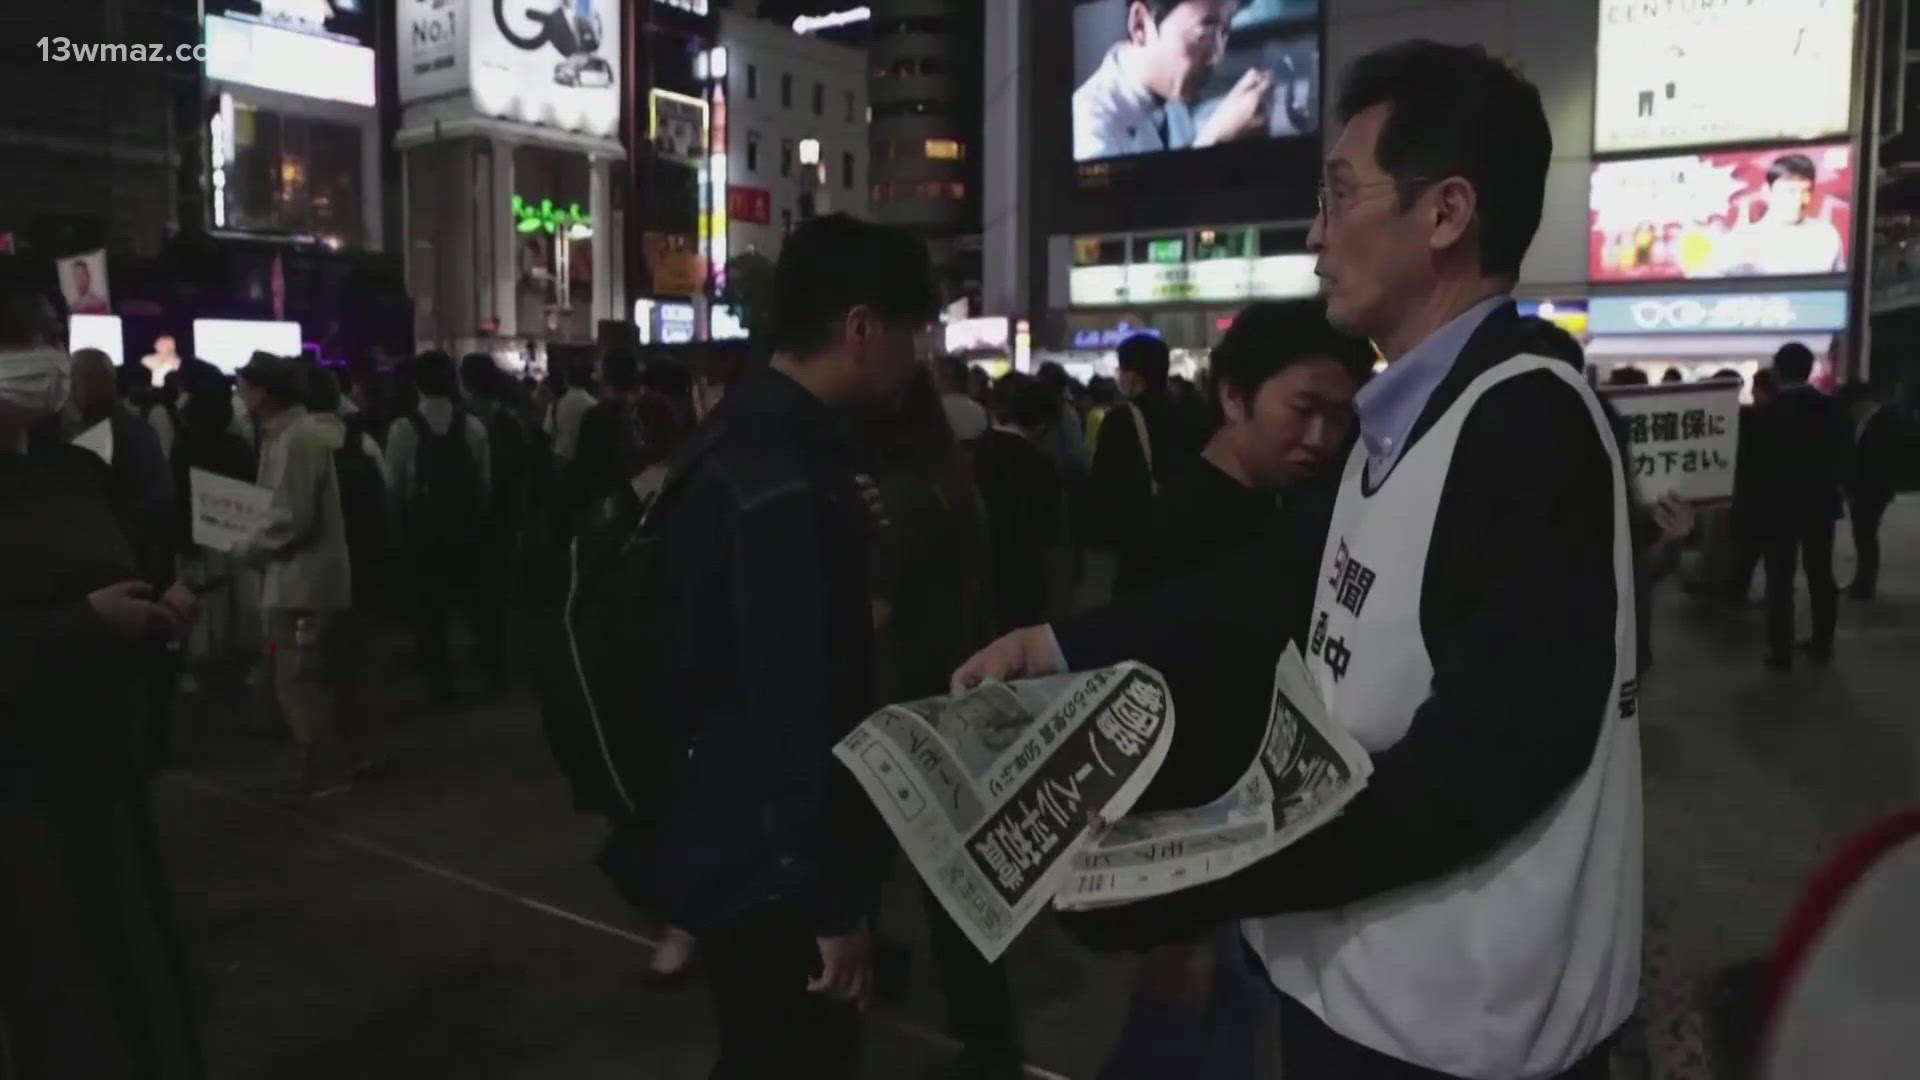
314,50
677,125
555,63
1817,311
1750,213
1700,74
229,343
1201,74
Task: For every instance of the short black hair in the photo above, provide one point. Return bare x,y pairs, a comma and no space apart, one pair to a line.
620,369
480,374
1270,336
1799,166
1456,111
830,265
1147,356
1793,362
433,374
1160,9
1627,376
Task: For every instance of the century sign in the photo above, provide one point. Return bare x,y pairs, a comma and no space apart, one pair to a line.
1719,313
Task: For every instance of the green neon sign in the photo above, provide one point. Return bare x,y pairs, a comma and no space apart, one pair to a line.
546,217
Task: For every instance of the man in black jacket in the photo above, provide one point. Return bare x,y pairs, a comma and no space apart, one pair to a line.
1144,441
1475,910
1801,445
1877,446
774,857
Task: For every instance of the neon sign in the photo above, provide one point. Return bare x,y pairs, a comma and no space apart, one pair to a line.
548,218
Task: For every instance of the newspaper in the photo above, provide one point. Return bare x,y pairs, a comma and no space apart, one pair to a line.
1306,772
992,792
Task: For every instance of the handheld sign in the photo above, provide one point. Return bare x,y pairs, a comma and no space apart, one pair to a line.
1680,438
225,511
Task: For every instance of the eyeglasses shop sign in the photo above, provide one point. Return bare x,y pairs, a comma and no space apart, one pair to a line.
1718,313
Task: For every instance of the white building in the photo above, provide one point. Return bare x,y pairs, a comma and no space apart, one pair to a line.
796,131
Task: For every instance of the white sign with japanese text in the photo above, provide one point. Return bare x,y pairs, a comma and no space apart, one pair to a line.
1680,439
226,511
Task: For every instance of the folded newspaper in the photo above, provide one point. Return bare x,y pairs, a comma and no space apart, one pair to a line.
992,792
1307,770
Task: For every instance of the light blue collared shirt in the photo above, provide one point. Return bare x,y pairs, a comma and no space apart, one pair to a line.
1391,404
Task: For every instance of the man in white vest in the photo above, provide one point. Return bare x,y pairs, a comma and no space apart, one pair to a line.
1465,602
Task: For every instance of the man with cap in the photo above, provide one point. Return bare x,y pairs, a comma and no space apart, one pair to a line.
302,548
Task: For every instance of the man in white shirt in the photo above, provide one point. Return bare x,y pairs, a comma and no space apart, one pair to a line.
442,505
1789,239
1140,100
563,423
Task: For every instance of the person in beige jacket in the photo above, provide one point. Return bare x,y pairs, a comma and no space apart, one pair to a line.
307,596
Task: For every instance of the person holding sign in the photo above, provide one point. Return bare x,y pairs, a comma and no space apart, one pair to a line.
302,545
1465,601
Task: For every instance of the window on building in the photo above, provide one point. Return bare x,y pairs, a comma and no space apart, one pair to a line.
753,82
850,107
293,174
786,157
753,151
786,91
945,149
881,191
846,169
819,99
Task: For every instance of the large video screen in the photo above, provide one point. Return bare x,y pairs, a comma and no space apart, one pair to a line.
1750,213
1159,76
1701,74
229,343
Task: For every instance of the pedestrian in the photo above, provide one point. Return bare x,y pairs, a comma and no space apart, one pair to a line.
610,442
1025,503
1284,381
567,410
92,982
966,414
441,476
208,439
929,578
1144,442
772,857
511,453
1877,449
1465,606
1801,445
307,596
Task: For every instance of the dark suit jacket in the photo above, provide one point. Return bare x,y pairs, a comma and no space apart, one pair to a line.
1876,459
1802,446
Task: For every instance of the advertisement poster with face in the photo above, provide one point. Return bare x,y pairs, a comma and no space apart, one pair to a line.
1753,213
83,281
552,62
1698,74
1165,75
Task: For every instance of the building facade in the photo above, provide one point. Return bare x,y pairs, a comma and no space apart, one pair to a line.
796,131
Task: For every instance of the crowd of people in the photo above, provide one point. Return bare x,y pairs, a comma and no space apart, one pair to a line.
717,570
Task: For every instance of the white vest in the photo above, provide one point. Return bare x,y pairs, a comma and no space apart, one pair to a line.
1517,966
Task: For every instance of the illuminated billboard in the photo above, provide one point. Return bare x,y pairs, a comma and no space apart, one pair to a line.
552,64
1701,74
1155,78
1751,213
319,50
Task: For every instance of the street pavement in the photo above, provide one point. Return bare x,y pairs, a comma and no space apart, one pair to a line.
447,921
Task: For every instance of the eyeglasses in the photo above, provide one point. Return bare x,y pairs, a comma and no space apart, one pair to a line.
1331,202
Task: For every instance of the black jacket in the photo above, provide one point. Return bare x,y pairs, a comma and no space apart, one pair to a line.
1518,609
1802,447
1876,459
767,544
1120,488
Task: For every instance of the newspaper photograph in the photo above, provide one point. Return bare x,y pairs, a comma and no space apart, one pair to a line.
991,792
1307,770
